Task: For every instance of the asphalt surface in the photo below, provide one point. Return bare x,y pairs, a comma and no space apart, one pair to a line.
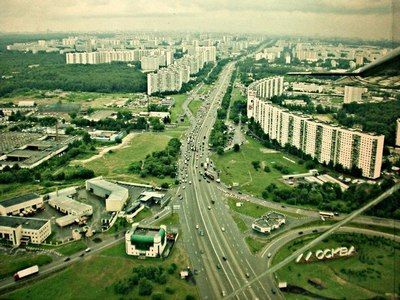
217,251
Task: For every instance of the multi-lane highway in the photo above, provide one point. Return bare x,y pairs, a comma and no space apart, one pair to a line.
219,256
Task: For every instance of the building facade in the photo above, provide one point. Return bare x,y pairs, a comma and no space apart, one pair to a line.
24,230
145,241
22,205
328,143
353,94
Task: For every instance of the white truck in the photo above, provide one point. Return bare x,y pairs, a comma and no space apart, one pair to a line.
26,272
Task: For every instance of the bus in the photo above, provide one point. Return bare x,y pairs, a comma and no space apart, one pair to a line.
209,175
325,214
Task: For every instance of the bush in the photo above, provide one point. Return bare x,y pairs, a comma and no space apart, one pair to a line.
145,287
236,148
165,185
169,290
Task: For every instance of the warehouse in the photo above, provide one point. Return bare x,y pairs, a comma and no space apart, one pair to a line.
19,230
105,135
148,197
72,208
145,241
22,205
269,222
115,195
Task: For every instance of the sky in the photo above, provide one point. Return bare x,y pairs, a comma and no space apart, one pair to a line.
366,19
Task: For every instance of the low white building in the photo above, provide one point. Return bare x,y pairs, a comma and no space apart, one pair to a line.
19,230
26,103
146,241
22,205
105,135
72,208
114,194
269,222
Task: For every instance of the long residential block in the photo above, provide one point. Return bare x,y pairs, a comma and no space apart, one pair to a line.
328,143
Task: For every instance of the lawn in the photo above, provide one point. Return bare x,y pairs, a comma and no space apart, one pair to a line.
170,220
9,264
115,165
71,248
254,244
240,223
369,273
177,109
195,105
236,167
94,278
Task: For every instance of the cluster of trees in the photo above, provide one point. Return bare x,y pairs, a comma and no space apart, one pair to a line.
329,196
239,111
157,107
157,125
46,171
251,70
256,131
104,78
144,278
111,124
213,76
373,117
219,133
159,163
19,117
310,108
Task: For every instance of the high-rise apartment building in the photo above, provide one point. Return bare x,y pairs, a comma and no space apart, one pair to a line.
328,143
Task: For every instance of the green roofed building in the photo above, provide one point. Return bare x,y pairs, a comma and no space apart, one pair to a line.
145,241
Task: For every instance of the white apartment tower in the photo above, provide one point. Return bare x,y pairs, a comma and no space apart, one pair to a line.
327,143
353,94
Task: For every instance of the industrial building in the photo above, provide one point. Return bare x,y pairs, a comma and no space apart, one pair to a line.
147,197
73,209
145,241
19,230
105,135
269,222
22,205
328,143
114,194
36,152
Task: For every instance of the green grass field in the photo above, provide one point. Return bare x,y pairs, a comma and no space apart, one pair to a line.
240,223
236,167
195,105
9,264
94,276
369,273
254,244
115,165
177,109
71,248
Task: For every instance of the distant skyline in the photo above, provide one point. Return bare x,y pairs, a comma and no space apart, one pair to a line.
365,19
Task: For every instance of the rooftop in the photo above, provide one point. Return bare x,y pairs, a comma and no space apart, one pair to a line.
17,200
27,223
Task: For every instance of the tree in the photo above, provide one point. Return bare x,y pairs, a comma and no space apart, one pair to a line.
267,169
86,138
236,148
165,185
145,287
220,151
256,164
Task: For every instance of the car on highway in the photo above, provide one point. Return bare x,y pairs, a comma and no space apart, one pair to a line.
247,275
300,232
223,229
269,254
223,293
224,258
88,250
315,231
67,259
156,217
273,291
209,207
82,254
197,226
218,266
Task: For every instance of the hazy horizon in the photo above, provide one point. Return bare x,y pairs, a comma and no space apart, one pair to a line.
362,19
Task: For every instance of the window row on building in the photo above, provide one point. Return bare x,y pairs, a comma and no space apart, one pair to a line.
328,143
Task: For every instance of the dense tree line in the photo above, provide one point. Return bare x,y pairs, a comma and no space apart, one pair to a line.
160,163
111,124
45,121
251,70
373,117
144,278
213,76
329,196
104,78
157,107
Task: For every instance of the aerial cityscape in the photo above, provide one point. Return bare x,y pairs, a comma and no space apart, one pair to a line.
200,149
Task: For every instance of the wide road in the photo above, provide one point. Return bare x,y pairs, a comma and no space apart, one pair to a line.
217,251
